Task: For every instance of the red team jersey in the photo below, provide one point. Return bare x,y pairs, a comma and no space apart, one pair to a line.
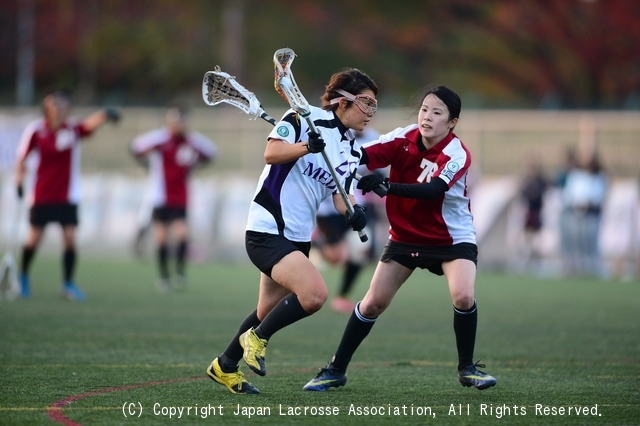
438,222
58,169
171,158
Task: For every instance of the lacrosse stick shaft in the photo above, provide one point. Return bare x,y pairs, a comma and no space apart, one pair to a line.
336,179
268,119
287,88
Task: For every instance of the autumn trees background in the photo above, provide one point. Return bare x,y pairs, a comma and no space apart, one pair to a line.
556,54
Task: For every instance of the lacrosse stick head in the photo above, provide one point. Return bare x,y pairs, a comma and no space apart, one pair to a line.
285,84
220,87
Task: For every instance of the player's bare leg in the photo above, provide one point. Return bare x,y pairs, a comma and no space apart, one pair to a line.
302,292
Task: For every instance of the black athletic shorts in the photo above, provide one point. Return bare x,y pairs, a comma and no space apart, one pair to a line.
332,227
64,214
265,250
428,257
168,214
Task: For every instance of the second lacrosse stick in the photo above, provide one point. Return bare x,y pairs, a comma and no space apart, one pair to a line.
286,86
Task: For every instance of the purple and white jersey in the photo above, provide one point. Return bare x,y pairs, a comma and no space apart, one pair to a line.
288,195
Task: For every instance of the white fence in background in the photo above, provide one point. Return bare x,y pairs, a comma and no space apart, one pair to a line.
112,205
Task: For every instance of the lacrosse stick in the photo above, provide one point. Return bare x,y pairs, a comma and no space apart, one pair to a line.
220,87
286,86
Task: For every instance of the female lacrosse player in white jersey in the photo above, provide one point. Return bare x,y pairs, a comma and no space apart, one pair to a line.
431,228
282,217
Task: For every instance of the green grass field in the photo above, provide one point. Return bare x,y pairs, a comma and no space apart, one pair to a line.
552,344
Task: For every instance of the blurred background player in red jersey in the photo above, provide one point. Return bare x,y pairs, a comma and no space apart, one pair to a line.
171,153
55,140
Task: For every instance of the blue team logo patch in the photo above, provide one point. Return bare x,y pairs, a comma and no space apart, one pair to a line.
283,131
451,170
453,167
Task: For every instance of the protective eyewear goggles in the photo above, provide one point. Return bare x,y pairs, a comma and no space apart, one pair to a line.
365,103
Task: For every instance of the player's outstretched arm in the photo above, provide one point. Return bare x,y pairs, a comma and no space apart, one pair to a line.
98,118
424,191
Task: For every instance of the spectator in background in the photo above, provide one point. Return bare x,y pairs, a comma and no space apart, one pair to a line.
532,191
171,153
584,195
55,139
570,163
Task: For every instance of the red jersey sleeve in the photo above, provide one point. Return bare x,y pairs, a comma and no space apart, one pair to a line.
383,151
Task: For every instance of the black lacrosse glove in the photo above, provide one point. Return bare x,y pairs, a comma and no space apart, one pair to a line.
358,219
112,115
374,182
316,143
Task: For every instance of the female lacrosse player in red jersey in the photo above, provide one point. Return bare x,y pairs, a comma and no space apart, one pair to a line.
431,228
171,153
282,217
56,140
